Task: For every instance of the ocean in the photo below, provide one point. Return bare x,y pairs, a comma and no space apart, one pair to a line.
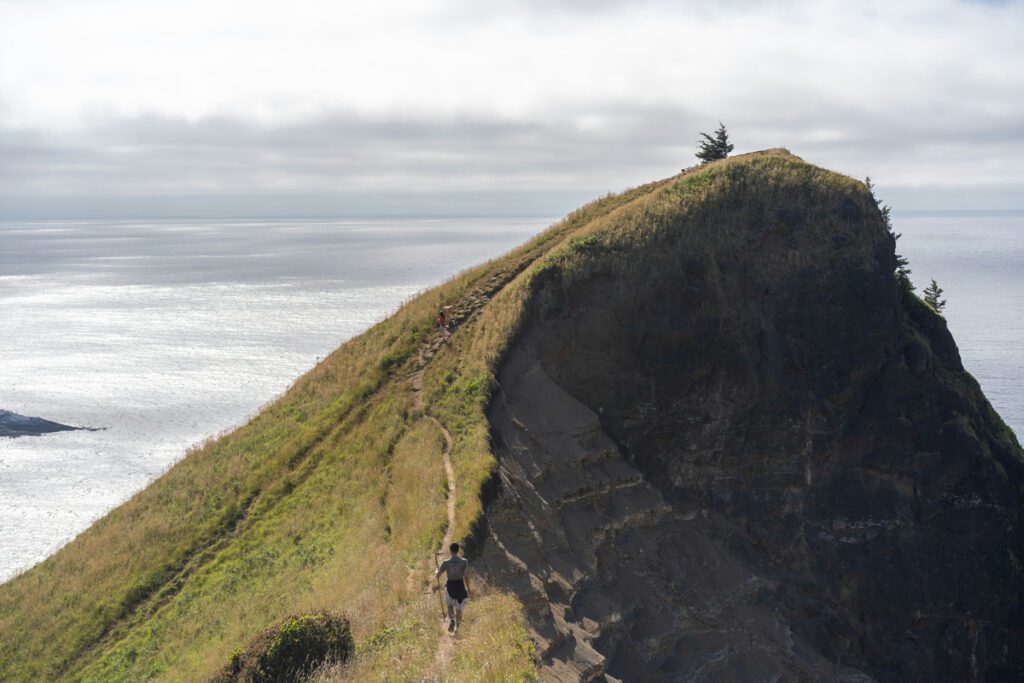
162,334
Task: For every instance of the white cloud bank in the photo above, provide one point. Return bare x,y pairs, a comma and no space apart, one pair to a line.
109,98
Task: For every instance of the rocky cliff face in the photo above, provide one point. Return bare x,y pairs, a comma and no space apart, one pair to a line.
731,449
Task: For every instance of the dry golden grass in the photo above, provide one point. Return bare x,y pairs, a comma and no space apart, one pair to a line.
417,491
494,644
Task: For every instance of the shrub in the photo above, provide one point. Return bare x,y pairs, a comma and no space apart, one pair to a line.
295,647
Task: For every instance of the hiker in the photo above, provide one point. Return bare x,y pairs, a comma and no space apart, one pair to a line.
457,590
442,324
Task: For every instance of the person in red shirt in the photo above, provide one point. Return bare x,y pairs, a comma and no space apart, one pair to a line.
442,324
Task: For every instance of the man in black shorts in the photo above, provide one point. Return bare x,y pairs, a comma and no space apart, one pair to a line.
457,590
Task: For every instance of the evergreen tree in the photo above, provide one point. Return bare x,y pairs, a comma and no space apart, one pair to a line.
902,269
931,296
714,148
902,264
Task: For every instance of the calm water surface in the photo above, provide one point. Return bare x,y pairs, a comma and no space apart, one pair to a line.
166,333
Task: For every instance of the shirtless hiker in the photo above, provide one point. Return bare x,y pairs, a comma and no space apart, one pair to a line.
457,590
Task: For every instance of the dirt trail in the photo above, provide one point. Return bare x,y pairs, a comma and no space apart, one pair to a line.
449,472
446,646
458,314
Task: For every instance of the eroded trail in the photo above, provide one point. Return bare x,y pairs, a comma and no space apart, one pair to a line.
446,646
458,314
449,472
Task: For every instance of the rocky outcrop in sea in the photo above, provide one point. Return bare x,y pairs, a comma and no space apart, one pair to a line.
13,425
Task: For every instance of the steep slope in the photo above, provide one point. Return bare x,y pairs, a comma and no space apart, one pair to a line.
713,438
732,449
282,514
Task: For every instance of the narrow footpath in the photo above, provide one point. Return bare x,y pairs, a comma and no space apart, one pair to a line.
446,644
458,314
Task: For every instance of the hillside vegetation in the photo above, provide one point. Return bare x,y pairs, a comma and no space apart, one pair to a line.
333,498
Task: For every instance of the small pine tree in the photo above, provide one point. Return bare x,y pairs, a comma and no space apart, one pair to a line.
931,296
903,271
714,148
902,263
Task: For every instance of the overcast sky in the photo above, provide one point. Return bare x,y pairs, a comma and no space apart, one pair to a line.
290,106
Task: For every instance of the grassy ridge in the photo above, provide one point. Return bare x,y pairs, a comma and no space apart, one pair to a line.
324,500
333,497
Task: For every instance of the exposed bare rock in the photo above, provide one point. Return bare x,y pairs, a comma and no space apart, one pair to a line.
12,425
736,451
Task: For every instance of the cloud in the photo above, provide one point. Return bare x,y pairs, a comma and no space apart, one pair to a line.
340,150
104,97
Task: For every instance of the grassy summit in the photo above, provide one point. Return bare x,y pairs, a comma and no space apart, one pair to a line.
333,497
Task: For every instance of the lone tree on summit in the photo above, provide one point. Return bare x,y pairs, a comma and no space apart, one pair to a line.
714,148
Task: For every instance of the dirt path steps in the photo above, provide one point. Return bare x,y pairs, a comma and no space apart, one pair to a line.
458,314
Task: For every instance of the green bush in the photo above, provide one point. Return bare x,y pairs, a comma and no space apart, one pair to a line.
295,647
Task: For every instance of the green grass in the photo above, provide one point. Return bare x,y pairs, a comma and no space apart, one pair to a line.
332,498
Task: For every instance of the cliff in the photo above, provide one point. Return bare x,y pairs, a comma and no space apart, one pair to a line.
732,449
695,432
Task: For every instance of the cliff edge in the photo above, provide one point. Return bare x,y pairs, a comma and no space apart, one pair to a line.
731,448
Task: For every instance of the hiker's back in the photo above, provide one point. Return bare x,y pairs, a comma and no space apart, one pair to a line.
455,568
